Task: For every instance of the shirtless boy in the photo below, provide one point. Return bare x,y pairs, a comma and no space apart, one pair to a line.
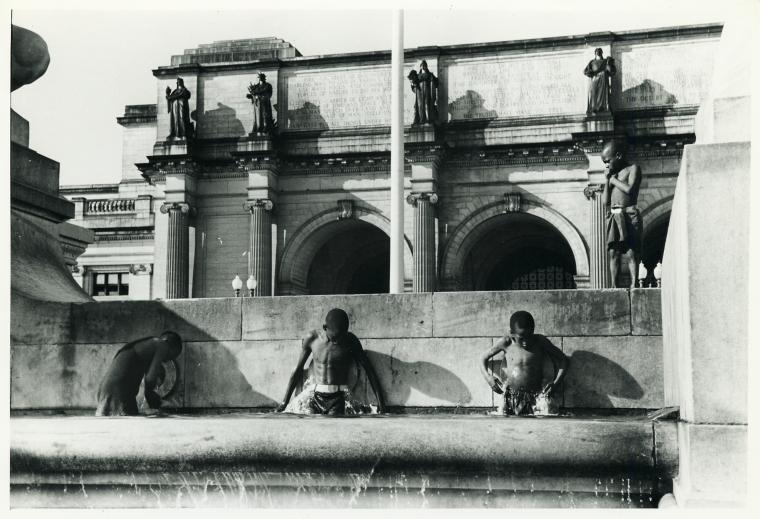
624,225
136,360
333,349
524,353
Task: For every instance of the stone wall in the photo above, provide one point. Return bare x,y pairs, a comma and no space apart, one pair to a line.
425,347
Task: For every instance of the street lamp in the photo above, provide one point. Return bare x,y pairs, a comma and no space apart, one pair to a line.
658,273
251,284
642,274
237,284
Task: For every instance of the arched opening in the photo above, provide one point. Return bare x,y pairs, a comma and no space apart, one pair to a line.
653,246
353,258
518,251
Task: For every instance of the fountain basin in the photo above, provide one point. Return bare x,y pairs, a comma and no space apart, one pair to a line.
311,461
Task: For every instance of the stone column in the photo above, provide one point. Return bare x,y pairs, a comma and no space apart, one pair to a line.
177,250
424,241
260,252
599,261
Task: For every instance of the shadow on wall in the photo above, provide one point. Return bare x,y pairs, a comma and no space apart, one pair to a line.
399,378
308,117
648,93
470,106
223,120
592,379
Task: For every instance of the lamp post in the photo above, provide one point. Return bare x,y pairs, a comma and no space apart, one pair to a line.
251,284
237,284
658,274
642,274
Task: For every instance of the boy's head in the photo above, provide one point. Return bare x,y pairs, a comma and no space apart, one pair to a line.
521,324
174,341
336,323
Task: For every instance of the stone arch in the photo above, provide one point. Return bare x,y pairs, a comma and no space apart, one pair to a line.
467,233
300,249
656,220
653,214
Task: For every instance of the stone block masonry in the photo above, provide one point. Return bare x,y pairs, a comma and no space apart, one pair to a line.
425,347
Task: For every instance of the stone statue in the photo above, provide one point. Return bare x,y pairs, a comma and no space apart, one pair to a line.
29,57
260,95
427,87
415,84
600,70
624,224
180,126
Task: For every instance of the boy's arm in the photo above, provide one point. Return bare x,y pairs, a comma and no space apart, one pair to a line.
491,379
560,362
363,360
153,373
634,177
298,371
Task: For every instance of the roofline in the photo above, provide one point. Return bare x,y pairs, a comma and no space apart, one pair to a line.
469,48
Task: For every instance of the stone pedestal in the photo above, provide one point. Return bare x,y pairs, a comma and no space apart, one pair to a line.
705,288
599,276
260,252
171,147
177,250
424,241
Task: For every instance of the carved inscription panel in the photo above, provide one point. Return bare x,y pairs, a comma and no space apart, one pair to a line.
342,97
517,86
663,74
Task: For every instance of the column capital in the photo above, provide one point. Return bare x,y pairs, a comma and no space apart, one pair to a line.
265,203
176,206
591,190
413,198
140,269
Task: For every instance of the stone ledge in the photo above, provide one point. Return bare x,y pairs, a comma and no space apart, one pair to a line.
286,443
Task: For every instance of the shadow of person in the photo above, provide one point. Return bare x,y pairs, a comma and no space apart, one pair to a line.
214,378
225,120
400,379
470,106
592,379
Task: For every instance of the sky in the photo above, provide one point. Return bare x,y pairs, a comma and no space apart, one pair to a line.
102,60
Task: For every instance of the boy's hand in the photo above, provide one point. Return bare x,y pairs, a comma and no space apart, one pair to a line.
495,383
548,389
154,401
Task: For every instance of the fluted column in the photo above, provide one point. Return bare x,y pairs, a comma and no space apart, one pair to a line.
177,250
424,241
599,277
260,253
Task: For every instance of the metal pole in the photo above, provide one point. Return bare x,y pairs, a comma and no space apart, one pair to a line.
397,155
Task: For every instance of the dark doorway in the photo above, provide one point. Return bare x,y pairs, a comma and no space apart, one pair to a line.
354,259
518,251
653,247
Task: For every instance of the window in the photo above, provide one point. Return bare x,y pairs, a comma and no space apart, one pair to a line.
111,284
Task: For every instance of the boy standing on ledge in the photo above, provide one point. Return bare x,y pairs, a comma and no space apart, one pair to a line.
333,349
524,353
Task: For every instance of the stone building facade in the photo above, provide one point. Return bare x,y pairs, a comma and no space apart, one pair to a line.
502,190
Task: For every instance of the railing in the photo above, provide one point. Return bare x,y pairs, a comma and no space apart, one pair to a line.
116,205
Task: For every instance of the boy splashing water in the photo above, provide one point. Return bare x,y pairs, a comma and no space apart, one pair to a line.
524,353
333,349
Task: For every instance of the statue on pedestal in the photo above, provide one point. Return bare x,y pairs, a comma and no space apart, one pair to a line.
260,95
180,126
425,87
624,224
600,70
